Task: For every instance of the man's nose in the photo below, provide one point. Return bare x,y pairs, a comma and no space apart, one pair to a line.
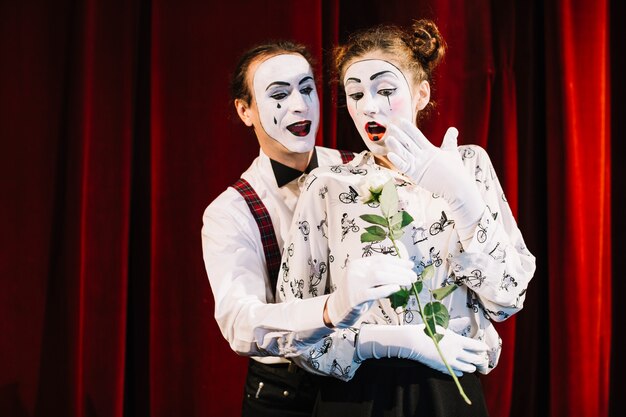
298,103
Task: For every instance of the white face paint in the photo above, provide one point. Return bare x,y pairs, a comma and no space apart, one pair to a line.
287,102
377,93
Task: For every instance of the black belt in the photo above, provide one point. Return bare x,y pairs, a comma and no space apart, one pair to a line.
291,367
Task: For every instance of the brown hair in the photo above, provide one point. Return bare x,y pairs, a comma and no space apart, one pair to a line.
418,50
239,88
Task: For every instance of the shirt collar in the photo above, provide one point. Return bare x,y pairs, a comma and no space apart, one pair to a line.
284,174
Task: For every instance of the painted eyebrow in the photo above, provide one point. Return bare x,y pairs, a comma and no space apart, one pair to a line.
281,83
378,74
305,79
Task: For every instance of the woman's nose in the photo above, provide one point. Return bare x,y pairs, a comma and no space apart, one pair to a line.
368,105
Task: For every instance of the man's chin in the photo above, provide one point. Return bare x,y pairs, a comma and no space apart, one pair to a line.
301,145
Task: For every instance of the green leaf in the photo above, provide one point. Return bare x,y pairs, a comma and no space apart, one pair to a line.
417,286
389,199
375,219
395,221
428,272
429,325
396,234
436,313
377,231
368,237
399,298
406,219
443,292
373,234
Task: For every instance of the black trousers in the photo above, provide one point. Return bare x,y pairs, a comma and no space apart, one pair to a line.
278,391
400,388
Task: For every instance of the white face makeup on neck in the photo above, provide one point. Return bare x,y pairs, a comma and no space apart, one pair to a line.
287,102
377,93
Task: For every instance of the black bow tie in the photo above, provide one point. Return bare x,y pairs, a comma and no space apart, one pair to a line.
284,174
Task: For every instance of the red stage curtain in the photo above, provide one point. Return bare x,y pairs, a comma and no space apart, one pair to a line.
579,184
117,131
67,115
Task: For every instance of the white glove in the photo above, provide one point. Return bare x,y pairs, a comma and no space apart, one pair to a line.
439,170
463,354
367,280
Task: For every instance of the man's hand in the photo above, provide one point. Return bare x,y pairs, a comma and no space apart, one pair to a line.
366,280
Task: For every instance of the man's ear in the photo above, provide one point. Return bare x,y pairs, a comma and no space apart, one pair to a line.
243,110
423,95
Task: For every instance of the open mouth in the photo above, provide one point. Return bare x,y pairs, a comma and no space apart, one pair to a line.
375,131
300,128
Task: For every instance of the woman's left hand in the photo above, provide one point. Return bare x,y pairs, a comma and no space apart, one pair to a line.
439,170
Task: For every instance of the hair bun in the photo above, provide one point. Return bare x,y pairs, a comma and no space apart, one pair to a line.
427,43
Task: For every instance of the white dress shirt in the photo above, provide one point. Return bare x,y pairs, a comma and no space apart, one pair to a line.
492,269
235,263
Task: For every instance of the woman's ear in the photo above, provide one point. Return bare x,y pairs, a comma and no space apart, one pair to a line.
423,95
244,112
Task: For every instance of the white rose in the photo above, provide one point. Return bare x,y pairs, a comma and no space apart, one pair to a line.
373,183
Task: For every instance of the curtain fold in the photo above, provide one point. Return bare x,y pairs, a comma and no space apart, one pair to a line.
617,42
579,235
531,379
117,131
67,261
502,147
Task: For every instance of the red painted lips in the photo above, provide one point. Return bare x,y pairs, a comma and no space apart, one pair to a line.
300,128
375,131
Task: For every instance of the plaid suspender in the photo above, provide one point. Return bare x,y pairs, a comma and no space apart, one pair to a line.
263,220
346,156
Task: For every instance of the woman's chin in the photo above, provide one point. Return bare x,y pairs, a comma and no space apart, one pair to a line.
376,148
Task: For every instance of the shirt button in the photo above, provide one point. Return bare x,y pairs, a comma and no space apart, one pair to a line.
286,393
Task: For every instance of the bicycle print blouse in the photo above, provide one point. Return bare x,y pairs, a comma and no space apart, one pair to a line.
492,269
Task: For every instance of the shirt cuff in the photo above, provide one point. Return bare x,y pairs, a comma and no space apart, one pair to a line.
305,322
